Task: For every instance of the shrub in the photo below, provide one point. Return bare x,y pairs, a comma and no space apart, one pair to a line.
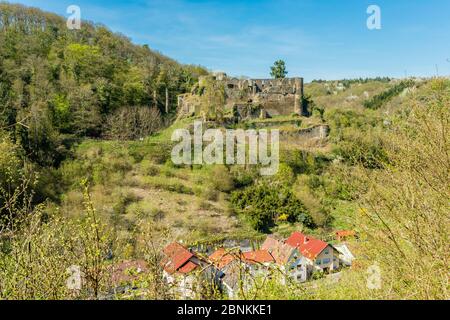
159,153
379,100
222,180
242,176
130,123
168,184
124,200
209,193
263,204
366,148
148,168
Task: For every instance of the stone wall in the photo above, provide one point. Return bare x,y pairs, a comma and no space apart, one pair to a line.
272,96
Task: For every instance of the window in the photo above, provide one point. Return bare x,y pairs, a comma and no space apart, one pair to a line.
325,261
327,252
318,262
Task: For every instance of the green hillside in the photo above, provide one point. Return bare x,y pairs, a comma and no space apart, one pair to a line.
86,176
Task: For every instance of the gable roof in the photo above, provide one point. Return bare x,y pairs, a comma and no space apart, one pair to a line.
221,258
308,246
280,251
177,258
258,256
188,267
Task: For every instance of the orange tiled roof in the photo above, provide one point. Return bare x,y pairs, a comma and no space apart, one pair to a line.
258,256
345,233
188,267
221,258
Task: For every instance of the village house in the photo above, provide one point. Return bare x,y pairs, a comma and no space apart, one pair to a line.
184,270
232,271
236,268
320,256
288,258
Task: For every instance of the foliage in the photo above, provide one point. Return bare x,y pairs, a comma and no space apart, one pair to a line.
278,70
132,123
348,82
264,204
379,100
57,81
212,100
43,245
404,212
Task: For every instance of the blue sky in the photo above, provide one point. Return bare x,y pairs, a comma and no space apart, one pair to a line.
325,39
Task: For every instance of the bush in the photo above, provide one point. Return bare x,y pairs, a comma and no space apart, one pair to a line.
210,193
242,176
168,184
263,204
130,123
366,148
159,153
124,200
148,168
379,100
222,180
303,162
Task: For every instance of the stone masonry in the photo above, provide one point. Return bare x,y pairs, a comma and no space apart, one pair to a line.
252,98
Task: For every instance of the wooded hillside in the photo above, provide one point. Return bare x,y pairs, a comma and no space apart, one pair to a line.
58,84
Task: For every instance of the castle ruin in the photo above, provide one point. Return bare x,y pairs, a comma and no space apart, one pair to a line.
251,98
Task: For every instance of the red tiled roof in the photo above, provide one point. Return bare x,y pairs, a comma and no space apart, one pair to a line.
258,256
308,246
221,258
176,256
188,267
278,250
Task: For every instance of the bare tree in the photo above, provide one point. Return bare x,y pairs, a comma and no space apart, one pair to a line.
130,123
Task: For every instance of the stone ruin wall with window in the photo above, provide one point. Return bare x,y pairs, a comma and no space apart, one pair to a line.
252,98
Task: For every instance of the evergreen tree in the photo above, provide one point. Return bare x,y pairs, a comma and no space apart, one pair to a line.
278,70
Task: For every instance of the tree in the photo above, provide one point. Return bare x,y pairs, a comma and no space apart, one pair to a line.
278,70
265,204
